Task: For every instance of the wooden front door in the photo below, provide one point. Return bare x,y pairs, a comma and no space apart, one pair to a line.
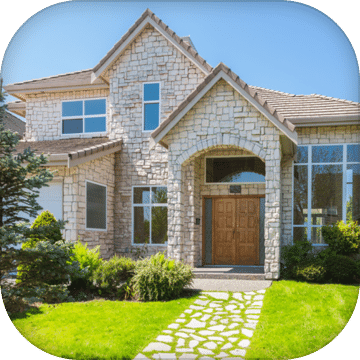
236,230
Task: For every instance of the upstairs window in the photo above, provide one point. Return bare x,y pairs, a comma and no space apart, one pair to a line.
151,106
83,116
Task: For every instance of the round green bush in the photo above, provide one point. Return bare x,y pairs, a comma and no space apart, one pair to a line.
310,273
158,278
341,269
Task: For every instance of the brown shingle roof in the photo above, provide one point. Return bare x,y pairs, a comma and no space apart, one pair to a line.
184,44
14,124
75,148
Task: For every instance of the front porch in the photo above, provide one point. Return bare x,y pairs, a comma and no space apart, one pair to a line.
230,272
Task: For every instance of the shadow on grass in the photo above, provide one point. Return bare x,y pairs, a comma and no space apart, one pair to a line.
33,310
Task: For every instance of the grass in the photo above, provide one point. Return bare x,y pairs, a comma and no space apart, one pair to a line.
98,329
298,319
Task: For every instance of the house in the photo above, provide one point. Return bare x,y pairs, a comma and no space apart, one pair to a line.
14,124
155,146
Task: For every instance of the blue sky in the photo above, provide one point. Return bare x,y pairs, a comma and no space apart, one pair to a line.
278,45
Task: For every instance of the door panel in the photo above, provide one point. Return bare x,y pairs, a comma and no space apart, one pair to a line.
224,231
236,231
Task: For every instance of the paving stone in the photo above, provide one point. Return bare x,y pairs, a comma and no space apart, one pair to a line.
235,317
250,325
233,325
182,315
221,313
227,346
196,315
195,307
206,358
257,303
188,356
233,302
235,311
195,324
216,338
218,295
238,296
224,321
249,293
216,317
247,297
208,310
188,311
180,320
241,306
239,352
184,350
206,332
187,330
157,346
165,356
141,357
230,307
210,345
261,291
181,334
167,331
233,339
173,326
205,317
165,338
247,332
252,311
244,343
248,303
205,351
217,327
198,338
259,297
213,322
253,316
202,297
229,333
201,302
193,343
180,343
215,305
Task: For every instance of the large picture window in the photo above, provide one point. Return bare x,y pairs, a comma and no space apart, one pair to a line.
95,206
83,116
245,169
326,188
151,106
150,215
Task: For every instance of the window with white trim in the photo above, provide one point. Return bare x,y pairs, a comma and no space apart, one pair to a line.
326,188
151,106
96,195
150,215
83,116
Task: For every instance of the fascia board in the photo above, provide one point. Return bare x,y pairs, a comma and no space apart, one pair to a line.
62,88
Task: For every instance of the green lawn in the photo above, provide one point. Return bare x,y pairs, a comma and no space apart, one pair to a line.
298,319
98,329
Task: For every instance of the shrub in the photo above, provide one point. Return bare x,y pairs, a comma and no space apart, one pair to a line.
310,272
293,256
89,260
343,238
158,278
341,269
113,273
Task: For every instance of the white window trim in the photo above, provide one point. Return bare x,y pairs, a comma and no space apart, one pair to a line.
230,183
106,220
309,165
133,206
150,102
83,133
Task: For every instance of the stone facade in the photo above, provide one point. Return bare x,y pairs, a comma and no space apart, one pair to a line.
222,118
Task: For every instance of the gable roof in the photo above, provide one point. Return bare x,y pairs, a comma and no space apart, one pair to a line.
14,124
72,152
222,71
311,110
148,17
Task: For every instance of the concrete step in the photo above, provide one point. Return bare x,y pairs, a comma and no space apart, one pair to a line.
224,276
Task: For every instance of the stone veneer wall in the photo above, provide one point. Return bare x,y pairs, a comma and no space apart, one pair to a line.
150,58
74,202
43,113
223,117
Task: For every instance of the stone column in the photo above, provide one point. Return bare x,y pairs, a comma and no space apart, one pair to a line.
175,211
272,214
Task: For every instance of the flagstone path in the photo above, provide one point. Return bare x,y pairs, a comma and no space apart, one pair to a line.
219,325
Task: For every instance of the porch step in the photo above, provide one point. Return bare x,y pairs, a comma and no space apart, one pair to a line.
230,273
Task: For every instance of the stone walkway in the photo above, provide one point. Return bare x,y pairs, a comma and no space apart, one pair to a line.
219,325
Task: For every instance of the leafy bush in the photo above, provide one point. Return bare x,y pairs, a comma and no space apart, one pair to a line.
342,238
341,269
113,273
310,272
89,260
158,278
293,256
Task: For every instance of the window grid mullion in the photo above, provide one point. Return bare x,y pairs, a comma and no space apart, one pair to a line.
344,179
309,191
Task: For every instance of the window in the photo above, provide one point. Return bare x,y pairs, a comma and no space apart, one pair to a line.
150,215
243,169
151,106
83,116
326,188
95,206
